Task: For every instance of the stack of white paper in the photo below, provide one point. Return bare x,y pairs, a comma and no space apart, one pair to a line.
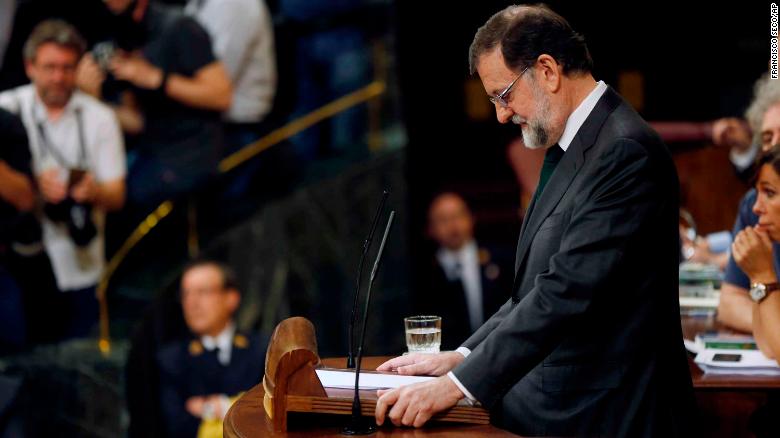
346,379
737,362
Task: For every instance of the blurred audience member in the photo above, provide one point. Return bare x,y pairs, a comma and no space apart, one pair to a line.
755,252
712,249
242,38
168,90
200,377
731,132
465,283
79,160
16,198
763,114
527,164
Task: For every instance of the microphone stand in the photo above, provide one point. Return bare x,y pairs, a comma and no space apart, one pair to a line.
353,316
357,424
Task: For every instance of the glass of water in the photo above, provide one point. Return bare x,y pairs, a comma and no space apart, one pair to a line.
423,333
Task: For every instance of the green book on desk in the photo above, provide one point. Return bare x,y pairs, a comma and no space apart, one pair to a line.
725,341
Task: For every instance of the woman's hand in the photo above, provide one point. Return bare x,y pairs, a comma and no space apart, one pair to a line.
752,250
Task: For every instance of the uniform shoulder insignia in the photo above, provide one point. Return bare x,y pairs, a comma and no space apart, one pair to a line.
195,348
240,341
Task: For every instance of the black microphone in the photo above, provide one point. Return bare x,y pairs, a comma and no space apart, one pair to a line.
357,424
366,247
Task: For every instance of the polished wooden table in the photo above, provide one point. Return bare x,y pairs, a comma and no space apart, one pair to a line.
246,418
718,382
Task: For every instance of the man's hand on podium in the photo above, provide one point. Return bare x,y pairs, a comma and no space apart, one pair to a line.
413,405
423,364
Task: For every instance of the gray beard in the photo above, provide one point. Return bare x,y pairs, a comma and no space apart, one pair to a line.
535,133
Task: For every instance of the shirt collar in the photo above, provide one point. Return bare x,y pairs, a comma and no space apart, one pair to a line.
579,115
223,341
40,109
448,258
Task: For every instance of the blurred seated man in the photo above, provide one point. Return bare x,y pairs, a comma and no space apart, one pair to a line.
78,158
200,377
17,197
465,282
168,91
763,114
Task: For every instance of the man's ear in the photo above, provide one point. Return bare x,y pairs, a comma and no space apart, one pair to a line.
549,73
29,69
234,299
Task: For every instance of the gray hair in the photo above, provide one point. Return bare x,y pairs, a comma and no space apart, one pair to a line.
54,31
766,94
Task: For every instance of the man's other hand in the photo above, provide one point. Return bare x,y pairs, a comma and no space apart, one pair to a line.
423,364
414,405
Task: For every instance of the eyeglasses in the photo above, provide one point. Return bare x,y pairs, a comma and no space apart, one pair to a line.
500,98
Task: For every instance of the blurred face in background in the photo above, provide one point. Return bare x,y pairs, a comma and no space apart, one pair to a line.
767,205
450,222
207,305
117,6
770,127
53,73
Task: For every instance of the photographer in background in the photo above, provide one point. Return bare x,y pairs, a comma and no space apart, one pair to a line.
168,91
78,159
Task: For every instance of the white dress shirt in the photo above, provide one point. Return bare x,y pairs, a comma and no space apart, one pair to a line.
74,267
223,341
573,125
463,264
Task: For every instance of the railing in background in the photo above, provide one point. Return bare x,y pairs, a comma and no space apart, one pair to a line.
365,94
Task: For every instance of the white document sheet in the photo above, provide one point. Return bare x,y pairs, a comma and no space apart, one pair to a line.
346,379
738,362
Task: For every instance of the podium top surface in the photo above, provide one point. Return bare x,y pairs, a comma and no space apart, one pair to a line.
246,418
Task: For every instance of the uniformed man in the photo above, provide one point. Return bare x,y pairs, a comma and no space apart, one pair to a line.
200,377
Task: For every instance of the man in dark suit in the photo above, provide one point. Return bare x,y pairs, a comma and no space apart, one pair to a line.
200,377
465,282
590,342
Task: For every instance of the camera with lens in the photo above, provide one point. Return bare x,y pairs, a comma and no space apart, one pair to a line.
76,216
103,52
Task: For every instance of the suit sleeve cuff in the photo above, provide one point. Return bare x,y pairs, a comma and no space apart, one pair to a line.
464,351
462,388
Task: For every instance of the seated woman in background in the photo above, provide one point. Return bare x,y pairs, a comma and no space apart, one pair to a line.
754,250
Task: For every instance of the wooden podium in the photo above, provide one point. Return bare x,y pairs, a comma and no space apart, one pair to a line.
290,385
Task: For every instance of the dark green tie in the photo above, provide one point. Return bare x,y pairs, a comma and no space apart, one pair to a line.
551,159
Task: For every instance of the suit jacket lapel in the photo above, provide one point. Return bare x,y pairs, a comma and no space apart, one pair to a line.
556,187
563,175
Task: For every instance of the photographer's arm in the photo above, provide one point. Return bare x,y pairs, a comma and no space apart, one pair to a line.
16,188
209,88
107,195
